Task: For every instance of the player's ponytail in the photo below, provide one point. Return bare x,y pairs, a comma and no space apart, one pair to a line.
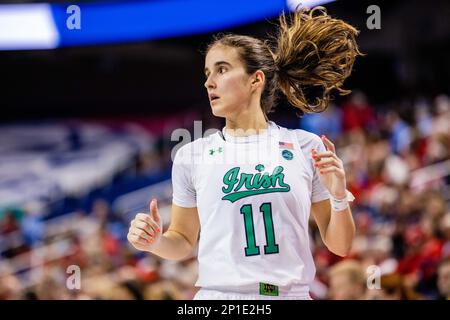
314,55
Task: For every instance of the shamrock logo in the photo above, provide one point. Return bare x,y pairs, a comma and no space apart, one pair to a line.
260,167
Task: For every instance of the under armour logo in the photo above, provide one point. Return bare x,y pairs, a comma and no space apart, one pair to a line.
212,151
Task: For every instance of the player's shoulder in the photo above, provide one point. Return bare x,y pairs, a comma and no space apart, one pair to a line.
304,138
196,147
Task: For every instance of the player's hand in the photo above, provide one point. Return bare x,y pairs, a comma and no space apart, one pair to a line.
146,228
330,169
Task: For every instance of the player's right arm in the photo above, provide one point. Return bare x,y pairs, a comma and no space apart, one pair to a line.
176,243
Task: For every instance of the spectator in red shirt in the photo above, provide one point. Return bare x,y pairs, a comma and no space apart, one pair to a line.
357,113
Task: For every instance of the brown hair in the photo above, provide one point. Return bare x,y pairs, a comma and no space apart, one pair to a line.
313,55
394,283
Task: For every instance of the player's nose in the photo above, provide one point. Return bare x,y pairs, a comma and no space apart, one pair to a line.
209,83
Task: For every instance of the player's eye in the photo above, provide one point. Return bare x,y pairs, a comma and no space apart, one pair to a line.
222,69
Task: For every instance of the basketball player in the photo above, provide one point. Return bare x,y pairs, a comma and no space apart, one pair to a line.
246,193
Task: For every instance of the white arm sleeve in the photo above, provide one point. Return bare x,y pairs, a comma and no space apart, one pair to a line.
184,194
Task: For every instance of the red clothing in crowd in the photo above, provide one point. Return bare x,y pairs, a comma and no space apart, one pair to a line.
357,116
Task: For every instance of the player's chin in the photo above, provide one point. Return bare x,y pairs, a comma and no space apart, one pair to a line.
218,110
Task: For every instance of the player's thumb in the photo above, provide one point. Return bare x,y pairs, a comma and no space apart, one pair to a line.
154,211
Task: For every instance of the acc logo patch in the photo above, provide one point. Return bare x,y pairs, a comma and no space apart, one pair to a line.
288,155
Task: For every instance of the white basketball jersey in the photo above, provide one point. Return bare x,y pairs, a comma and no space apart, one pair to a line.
253,196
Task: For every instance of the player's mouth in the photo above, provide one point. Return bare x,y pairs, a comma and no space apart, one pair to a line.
213,97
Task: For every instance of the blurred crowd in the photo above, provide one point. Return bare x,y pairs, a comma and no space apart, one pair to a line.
106,267
397,161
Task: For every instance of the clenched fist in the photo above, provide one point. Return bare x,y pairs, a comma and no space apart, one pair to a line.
146,228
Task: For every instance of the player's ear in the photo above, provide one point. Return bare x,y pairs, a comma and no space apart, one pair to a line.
258,79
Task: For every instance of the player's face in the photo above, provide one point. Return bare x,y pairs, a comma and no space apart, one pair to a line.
227,82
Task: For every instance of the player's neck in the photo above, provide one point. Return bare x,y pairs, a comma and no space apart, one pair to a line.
246,124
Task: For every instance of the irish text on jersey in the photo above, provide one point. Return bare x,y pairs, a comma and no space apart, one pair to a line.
240,185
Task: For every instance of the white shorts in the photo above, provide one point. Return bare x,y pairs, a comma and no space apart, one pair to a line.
208,294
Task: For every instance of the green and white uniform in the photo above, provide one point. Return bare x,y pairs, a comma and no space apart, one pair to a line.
253,196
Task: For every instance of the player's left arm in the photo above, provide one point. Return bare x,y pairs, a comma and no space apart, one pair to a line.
337,228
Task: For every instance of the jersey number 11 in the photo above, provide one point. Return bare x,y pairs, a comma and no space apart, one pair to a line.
252,249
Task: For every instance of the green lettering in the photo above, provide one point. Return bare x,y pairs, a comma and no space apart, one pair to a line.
278,175
257,181
267,182
230,179
245,178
